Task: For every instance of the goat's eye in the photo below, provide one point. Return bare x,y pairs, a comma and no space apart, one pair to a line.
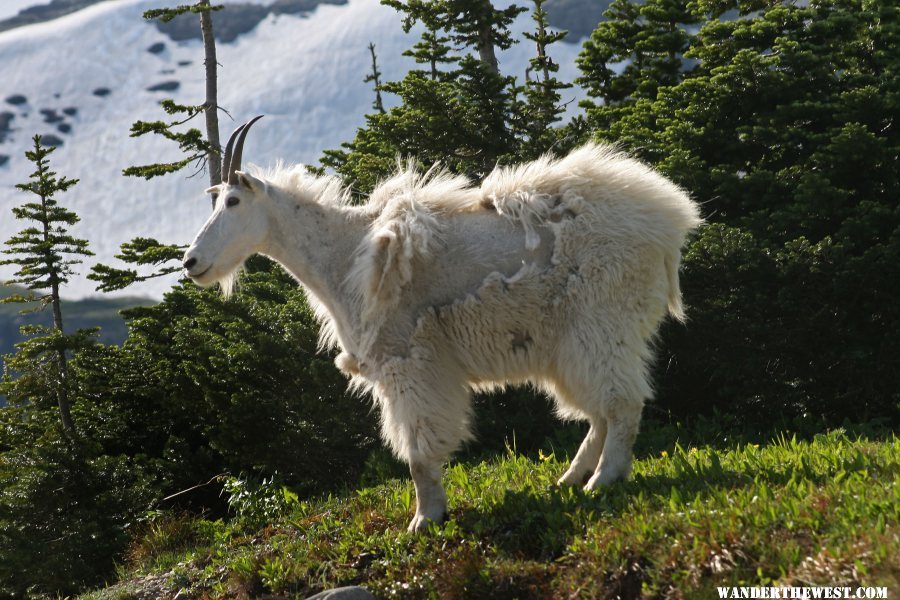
232,201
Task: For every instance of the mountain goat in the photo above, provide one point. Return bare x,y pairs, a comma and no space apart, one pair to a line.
556,272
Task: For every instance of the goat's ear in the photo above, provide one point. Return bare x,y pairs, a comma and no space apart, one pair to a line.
213,191
249,181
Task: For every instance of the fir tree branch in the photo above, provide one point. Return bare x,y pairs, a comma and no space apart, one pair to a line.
167,14
139,251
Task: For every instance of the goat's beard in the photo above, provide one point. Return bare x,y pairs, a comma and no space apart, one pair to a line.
228,283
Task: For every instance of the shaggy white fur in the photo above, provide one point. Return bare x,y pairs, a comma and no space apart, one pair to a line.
556,272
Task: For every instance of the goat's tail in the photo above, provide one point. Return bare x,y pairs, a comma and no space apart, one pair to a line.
687,219
676,308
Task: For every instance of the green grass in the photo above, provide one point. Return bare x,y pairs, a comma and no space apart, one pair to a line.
818,512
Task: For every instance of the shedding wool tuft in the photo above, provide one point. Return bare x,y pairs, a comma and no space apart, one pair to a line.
540,191
408,208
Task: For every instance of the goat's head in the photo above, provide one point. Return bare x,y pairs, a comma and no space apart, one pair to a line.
238,226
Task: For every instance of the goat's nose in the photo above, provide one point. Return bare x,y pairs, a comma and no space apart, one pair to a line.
189,263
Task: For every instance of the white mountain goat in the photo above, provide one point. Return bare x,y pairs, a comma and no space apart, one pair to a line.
557,272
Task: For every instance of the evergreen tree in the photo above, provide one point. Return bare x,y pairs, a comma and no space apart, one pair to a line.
541,107
236,385
457,112
375,77
432,50
64,509
636,50
783,129
139,251
44,254
476,24
63,505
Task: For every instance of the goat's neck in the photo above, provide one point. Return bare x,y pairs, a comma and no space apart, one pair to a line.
317,244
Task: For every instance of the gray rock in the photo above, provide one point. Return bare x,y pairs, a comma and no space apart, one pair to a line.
578,17
165,86
236,19
352,592
50,115
45,12
51,140
6,119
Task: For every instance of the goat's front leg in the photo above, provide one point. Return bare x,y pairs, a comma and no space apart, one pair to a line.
424,417
431,499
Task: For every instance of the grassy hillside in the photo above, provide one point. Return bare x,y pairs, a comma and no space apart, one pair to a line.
818,512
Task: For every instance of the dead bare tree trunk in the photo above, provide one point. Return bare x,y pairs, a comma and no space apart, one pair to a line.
211,104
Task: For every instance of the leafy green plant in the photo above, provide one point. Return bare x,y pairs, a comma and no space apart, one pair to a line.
256,503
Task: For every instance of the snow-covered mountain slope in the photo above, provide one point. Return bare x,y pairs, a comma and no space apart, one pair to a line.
85,78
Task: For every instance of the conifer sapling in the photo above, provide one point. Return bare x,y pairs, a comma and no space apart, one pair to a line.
44,254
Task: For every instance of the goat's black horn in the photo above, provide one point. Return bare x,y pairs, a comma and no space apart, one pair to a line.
226,160
235,162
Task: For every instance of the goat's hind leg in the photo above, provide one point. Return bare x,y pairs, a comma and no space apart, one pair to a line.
615,462
588,457
611,397
578,399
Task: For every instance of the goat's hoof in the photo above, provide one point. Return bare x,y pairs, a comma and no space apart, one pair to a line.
420,522
603,479
571,479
